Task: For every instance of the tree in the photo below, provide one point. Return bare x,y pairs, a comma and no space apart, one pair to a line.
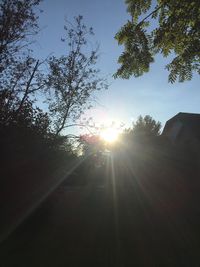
90,144
22,124
18,22
20,76
73,77
22,81
175,31
146,126
144,130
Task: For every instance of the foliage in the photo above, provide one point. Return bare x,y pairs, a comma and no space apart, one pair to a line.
90,144
146,126
73,77
26,136
18,22
28,122
20,77
92,149
28,116
145,130
174,31
27,133
21,81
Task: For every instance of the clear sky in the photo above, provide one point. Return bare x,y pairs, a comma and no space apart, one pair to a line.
125,100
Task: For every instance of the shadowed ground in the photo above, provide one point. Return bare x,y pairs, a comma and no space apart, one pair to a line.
118,218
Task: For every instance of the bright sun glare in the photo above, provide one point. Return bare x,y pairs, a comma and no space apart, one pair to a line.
110,135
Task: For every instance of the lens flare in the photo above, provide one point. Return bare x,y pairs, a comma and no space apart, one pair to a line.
110,135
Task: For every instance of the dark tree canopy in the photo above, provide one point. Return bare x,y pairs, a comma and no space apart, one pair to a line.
176,32
146,126
20,77
18,22
25,129
144,130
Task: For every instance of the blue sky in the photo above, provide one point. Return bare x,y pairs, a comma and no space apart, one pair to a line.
125,100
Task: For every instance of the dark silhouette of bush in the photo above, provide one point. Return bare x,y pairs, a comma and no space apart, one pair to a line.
26,138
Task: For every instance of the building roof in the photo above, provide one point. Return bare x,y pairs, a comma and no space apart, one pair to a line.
189,120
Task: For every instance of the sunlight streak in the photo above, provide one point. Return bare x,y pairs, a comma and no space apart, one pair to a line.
115,206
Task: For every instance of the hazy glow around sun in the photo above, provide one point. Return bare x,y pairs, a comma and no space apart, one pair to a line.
109,135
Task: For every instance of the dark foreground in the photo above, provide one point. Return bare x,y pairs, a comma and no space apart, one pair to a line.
115,219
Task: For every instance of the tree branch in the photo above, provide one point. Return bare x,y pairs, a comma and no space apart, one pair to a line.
154,11
27,87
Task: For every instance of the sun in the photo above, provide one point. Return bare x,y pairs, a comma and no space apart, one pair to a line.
109,135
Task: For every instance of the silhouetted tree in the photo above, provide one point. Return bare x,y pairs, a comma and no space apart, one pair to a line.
22,82
73,77
25,130
144,130
92,148
90,144
176,32
146,126
27,135
29,116
20,76
18,22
